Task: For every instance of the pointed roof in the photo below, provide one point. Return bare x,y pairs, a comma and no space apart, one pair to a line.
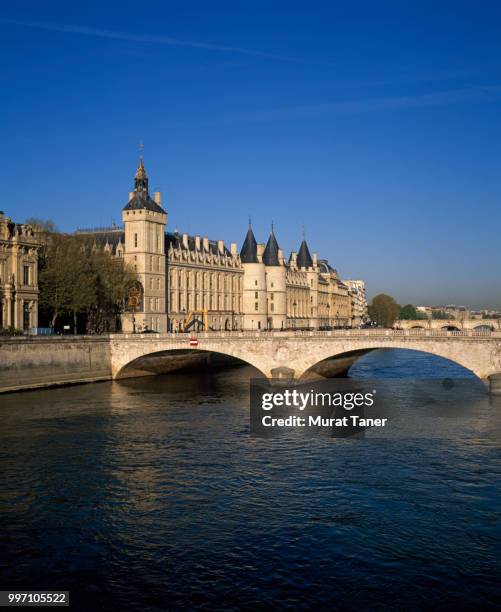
141,170
270,255
141,196
248,254
304,259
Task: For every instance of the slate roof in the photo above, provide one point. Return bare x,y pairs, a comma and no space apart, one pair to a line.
270,255
176,240
248,254
141,200
304,259
104,235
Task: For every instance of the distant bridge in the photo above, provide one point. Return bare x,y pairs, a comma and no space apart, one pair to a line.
299,353
451,324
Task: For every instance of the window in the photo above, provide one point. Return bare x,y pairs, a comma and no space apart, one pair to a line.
255,283
272,307
26,275
255,295
135,241
256,306
272,284
271,295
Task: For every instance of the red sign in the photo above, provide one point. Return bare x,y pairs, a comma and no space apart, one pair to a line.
193,342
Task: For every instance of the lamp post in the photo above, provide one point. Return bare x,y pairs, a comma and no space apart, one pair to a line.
294,305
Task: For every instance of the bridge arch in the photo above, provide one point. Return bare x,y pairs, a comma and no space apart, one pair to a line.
484,328
479,358
148,358
349,359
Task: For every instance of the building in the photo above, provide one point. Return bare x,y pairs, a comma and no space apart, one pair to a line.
18,275
186,281
359,312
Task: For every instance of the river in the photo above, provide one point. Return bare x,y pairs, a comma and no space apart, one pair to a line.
149,494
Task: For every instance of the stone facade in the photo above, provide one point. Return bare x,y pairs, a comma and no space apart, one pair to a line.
359,312
18,275
193,281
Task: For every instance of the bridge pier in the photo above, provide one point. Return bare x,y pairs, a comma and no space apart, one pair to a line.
495,384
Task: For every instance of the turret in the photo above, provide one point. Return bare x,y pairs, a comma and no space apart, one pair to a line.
275,283
254,284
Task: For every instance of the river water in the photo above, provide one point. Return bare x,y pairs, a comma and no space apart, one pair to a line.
149,494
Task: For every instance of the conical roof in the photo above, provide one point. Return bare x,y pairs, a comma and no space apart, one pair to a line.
248,254
304,259
270,255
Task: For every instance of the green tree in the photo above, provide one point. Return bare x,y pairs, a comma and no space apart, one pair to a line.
384,310
78,279
408,312
56,276
114,280
441,315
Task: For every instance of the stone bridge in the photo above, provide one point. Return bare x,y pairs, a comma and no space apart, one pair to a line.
298,353
28,362
449,324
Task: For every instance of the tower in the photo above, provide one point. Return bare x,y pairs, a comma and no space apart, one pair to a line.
254,305
273,260
144,221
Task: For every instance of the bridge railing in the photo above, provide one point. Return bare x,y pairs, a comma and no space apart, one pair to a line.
336,333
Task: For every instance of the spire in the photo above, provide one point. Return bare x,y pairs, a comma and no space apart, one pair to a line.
304,259
248,254
140,198
141,178
270,255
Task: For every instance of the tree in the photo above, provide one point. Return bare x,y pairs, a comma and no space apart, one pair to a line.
384,310
410,313
114,281
80,280
441,315
56,276
45,226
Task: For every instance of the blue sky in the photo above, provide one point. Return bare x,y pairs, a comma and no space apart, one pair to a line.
377,126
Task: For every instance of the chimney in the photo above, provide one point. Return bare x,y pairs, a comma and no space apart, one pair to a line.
294,258
233,248
260,249
185,241
197,243
280,256
131,195
314,260
206,243
157,196
220,246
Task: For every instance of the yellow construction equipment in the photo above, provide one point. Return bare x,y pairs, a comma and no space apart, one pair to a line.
197,316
